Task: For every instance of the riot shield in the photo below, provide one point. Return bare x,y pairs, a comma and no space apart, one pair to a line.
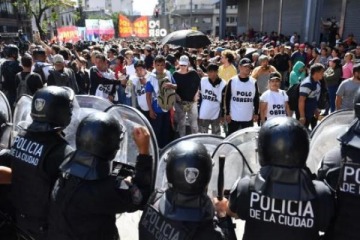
210,142
88,105
5,129
128,151
240,151
21,113
83,105
324,136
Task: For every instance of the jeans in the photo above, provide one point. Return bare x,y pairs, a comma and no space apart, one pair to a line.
180,118
332,95
161,126
285,79
215,126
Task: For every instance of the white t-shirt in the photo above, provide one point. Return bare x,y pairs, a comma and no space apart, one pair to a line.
103,90
210,99
130,70
140,92
276,103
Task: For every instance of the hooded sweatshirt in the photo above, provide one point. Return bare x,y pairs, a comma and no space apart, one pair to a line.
296,76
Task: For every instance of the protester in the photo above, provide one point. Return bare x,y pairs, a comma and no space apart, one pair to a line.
188,83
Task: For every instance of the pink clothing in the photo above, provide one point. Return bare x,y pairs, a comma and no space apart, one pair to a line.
347,70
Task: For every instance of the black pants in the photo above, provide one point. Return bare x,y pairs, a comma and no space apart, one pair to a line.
233,126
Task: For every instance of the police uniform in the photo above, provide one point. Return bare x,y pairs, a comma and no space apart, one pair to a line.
36,160
184,211
86,197
279,217
348,187
36,154
83,209
281,200
157,223
341,170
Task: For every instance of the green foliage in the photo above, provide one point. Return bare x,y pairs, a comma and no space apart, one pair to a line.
37,9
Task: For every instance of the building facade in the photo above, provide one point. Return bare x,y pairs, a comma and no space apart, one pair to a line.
301,16
112,6
12,20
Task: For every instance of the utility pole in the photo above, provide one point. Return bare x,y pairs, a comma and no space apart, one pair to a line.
222,22
191,12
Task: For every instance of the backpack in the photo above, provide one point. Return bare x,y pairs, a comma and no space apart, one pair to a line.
38,68
293,94
167,96
23,87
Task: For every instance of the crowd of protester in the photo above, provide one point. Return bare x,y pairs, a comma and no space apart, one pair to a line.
230,84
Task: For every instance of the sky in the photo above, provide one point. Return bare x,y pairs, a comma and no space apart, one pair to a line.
145,7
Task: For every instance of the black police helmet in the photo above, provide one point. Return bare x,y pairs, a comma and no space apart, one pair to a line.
189,168
283,141
52,105
99,134
357,104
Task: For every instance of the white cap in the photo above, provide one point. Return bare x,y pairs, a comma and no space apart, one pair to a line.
58,59
184,60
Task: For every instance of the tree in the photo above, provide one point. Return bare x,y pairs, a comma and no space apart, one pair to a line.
37,9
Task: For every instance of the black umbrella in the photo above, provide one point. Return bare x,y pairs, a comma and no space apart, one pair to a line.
187,38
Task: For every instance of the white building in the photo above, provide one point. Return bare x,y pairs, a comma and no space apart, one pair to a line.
112,6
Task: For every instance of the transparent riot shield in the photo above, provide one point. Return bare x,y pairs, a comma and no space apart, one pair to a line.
6,128
21,113
324,136
240,152
210,142
128,151
83,105
88,105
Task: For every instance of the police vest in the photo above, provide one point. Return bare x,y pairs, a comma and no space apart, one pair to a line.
348,204
154,226
210,99
242,99
282,219
31,185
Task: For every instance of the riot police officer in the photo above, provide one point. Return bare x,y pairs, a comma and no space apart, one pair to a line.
87,196
36,154
184,210
340,169
281,200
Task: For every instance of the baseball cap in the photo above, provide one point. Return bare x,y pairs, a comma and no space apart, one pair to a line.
302,45
275,75
184,60
245,62
148,47
58,59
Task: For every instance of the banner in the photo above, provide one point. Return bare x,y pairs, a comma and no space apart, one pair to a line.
106,29
68,34
125,27
82,33
141,27
92,29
